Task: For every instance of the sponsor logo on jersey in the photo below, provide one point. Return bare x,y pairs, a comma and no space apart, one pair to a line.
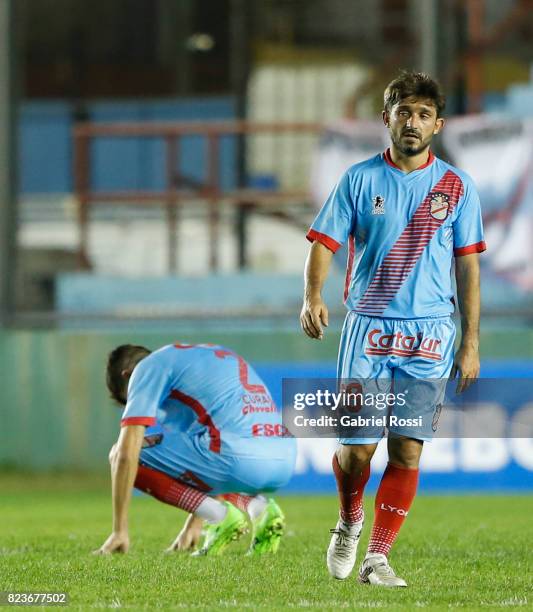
257,402
438,205
378,205
269,430
380,343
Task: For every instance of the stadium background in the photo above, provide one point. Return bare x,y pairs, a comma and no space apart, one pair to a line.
208,245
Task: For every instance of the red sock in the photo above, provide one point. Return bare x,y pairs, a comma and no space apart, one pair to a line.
166,489
239,500
395,495
350,488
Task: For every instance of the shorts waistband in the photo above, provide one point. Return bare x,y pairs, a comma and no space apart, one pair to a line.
446,317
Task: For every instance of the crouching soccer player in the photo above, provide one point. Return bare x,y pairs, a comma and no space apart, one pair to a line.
407,216
198,424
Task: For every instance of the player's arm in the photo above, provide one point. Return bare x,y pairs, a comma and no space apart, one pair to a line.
314,311
124,460
466,362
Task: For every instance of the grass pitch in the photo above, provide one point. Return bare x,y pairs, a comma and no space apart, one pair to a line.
455,552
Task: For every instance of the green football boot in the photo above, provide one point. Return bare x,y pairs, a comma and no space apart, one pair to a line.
267,530
220,535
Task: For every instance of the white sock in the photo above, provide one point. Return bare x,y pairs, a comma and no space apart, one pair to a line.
211,510
256,506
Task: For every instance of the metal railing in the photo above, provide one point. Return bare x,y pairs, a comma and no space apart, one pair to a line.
179,189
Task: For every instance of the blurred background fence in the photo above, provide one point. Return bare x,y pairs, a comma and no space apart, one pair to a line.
167,157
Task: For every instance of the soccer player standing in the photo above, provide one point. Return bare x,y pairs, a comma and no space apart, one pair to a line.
406,215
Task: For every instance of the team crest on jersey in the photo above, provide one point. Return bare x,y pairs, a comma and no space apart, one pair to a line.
378,205
438,205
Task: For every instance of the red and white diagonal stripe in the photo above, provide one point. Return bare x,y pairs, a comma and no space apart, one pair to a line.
405,253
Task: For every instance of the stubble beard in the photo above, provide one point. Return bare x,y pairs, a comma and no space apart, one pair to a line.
410,150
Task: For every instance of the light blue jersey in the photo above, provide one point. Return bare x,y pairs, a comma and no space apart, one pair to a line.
403,231
209,414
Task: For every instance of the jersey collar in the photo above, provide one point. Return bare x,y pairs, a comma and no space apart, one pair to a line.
388,159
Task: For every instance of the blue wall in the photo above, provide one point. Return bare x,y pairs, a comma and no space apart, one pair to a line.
45,146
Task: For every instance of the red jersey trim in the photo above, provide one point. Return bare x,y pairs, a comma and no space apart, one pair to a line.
148,421
204,418
479,247
388,159
349,267
328,242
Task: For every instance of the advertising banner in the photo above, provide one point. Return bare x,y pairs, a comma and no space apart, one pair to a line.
483,442
498,154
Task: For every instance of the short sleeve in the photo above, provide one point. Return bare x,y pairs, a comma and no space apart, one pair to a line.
334,222
148,388
468,226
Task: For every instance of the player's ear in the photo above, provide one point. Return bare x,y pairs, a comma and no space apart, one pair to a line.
126,373
385,117
439,124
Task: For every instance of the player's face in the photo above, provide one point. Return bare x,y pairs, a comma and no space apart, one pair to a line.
412,124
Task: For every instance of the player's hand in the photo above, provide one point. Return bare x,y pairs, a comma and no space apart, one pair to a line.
466,366
314,315
189,536
117,542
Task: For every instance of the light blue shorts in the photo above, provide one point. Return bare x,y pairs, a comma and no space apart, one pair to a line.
412,357
245,466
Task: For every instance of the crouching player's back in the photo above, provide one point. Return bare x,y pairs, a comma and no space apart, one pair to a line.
214,397
199,422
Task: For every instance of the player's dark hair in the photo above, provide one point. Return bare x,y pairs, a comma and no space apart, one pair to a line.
414,85
124,357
